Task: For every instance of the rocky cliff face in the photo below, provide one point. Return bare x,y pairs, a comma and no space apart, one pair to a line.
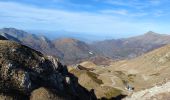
28,74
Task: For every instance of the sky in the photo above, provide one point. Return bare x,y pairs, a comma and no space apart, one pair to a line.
96,17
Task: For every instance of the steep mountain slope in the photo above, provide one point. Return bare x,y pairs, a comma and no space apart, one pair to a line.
27,74
148,70
10,37
137,74
150,62
39,43
90,81
2,38
73,50
68,50
130,47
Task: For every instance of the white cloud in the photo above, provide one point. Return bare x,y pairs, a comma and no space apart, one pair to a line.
31,17
124,12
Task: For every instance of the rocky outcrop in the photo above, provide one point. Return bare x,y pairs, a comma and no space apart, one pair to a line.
28,74
155,93
45,94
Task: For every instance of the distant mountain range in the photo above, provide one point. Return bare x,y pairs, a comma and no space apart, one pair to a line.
130,47
94,64
68,50
72,51
39,43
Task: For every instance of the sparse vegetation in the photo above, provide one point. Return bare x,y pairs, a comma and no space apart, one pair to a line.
131,77
95,77
112,92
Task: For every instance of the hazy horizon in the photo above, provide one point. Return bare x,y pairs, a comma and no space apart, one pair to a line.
96,19
86,37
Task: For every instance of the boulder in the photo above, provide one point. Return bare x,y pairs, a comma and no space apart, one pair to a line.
45,94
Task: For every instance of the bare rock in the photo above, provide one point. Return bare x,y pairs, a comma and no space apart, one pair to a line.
23,70
45,94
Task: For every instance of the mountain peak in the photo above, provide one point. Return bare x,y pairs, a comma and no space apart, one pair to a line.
14,32
151,33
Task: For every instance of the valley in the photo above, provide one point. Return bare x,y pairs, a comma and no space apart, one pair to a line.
128,76
72,51
84,50
142,66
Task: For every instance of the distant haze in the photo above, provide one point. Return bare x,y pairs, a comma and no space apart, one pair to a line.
80,36
89,18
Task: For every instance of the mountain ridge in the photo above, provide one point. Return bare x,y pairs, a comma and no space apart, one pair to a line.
131,47
51,47
72,51
26,74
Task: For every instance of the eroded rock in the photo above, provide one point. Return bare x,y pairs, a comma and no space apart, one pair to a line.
24,70
45,94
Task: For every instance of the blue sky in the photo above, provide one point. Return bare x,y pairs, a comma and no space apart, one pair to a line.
106,17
